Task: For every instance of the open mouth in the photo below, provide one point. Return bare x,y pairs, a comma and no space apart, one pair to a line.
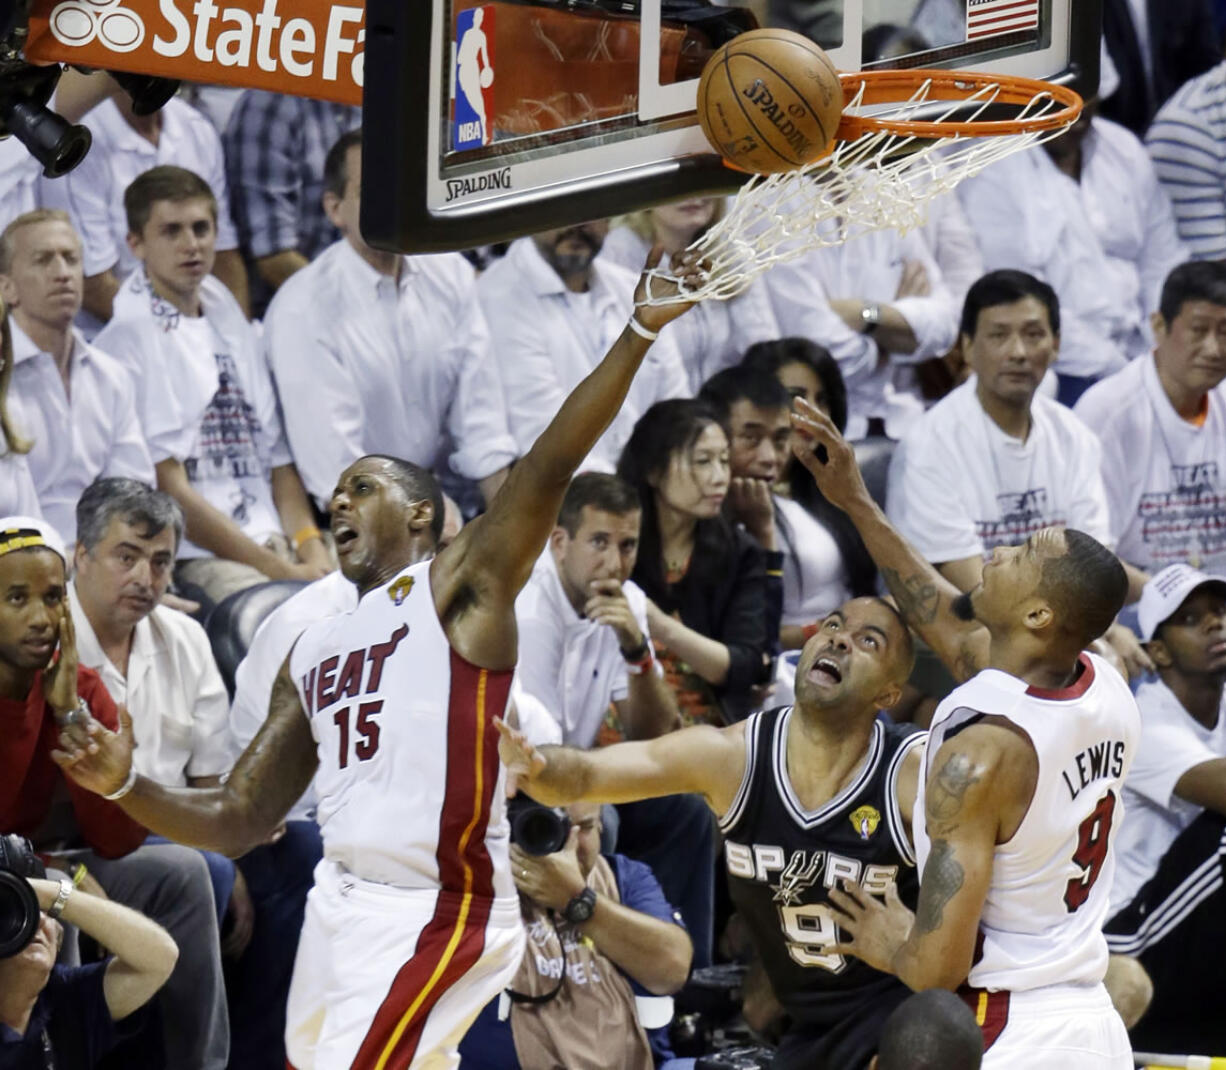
343,535
826,671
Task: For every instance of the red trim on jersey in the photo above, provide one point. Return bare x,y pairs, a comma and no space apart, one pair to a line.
991,1011
451,943
1075,690
453,940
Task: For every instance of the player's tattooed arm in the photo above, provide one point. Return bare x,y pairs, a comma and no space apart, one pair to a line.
232,818
925,598
934,948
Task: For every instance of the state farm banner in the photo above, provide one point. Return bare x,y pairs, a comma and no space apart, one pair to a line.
311,48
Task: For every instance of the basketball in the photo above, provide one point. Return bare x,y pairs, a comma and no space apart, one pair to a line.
769,100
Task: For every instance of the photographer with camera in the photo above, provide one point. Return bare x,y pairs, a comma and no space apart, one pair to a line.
599,932
65,1016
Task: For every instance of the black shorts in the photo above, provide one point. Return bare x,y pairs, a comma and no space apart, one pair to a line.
846,1044
1176,927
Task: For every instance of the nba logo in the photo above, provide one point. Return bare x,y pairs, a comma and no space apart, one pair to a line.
473,96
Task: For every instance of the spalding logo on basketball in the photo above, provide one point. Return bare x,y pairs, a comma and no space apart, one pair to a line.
770,100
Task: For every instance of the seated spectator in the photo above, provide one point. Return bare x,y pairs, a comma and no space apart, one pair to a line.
1167,899
705,580
554,307
82,833
993,462
125,145
1162,425
1085,213
878,303
931,1030
77,403
206,400
806,370
17,494
756,408
582,621
390,353
713,334
69,1016
600,931
585,645
275,146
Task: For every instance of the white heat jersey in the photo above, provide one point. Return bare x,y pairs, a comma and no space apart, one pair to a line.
1043,918
409,783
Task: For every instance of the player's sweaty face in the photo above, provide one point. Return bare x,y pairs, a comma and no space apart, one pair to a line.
369,518
1012,574
856,653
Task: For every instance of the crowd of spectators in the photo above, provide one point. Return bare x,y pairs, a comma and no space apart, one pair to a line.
197,341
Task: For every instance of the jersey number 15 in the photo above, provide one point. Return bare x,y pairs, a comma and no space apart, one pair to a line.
366,747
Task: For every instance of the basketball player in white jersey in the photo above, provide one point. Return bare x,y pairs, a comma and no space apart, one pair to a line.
413,923
1021,793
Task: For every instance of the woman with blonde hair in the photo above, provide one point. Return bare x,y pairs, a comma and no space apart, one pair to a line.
17,494
713,334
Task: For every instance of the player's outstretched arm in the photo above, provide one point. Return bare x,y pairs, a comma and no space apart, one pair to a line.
703,760
935,947
270,777
925,598
495,553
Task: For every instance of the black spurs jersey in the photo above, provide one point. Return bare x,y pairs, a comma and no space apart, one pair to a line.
782,861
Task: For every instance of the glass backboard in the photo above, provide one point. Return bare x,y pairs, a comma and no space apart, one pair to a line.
488,119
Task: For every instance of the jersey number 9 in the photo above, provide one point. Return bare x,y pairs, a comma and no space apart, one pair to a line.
810,929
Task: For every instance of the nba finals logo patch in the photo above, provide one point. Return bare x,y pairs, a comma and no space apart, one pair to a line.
399,591
865,821
472,93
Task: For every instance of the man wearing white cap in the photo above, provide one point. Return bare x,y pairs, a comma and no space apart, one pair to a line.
1167,899
38,694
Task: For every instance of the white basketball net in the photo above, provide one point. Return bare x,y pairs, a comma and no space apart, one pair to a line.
876,181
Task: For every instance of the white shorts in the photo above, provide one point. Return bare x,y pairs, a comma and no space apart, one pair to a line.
391,978
1062,1027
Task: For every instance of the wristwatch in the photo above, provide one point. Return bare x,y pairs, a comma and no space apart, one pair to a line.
580,909
870,316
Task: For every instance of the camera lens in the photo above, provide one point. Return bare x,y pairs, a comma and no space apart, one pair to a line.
19,914
539,830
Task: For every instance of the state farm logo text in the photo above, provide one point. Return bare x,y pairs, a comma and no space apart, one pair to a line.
225,36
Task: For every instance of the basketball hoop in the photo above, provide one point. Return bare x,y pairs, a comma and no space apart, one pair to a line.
906,137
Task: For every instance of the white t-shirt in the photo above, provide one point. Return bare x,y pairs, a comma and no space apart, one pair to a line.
205,398
178,702
1165,478
814,574
75,439
1172,742
959,486
17,494
571,664
92,193
397,366
547,340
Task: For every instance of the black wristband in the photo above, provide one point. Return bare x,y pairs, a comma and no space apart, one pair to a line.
638,653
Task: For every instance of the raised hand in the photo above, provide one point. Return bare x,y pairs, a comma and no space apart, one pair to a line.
685,273
95,757
820,447
60,680
518,754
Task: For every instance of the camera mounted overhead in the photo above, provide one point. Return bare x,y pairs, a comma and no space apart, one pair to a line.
26,89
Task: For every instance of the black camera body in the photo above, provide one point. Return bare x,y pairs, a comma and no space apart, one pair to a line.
19,911
539,830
